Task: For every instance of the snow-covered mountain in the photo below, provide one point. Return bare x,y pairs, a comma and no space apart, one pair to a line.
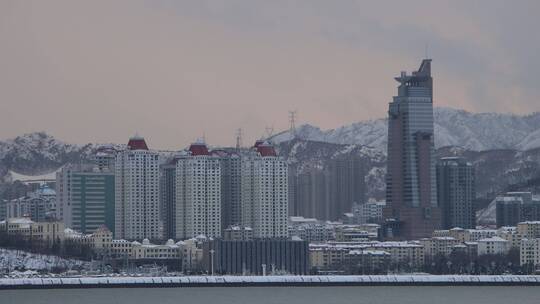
504,148
472,131
38,153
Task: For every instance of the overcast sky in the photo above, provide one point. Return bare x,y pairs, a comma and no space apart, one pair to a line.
99,71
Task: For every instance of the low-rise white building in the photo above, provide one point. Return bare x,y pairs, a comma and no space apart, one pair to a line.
493,245
310,229
368,212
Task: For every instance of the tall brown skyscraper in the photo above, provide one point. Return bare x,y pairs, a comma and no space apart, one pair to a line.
412,211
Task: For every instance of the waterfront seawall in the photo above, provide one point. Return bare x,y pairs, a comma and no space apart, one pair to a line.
270,281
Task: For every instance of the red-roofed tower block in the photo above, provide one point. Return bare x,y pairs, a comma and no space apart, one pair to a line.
198,193
137,143
198,149
265,149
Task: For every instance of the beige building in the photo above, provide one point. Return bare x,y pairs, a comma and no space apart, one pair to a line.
402,252
369,259
511,235
529,230
327,257
49,232
439,245
466,235
529,252
192,254
101,241
146,250
331,254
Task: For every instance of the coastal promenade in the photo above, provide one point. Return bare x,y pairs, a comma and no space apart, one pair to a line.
268,281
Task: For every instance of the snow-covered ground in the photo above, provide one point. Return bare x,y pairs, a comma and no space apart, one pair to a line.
11,260
487,216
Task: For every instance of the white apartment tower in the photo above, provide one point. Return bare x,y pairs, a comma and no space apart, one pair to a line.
137,204
198,193
264,198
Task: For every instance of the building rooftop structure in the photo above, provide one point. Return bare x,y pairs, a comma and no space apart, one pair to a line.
493,239
198,149
265,149
137,143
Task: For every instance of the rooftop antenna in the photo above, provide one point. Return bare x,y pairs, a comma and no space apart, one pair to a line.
426,48
204,137
238,138
292,121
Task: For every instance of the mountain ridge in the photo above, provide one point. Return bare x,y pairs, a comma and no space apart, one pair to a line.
453,127
510,162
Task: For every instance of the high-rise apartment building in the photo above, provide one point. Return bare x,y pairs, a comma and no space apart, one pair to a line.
456,193
198,193
411,194
265,198
137,210
231,190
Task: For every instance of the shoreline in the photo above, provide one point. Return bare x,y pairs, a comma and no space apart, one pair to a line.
268,281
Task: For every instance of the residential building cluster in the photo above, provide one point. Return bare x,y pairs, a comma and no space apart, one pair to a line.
139,193
334,256
38,205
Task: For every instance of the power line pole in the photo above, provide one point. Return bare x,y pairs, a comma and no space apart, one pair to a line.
239,138
292,121
269,132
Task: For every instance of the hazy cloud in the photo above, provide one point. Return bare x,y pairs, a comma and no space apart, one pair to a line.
175,70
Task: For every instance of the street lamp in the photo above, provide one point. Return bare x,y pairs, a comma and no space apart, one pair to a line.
212,251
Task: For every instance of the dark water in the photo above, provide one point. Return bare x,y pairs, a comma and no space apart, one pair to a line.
271,295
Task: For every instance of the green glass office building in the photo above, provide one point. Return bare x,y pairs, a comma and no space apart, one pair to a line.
92,201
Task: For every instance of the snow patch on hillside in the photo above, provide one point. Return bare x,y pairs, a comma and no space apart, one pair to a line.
487,216
21,260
